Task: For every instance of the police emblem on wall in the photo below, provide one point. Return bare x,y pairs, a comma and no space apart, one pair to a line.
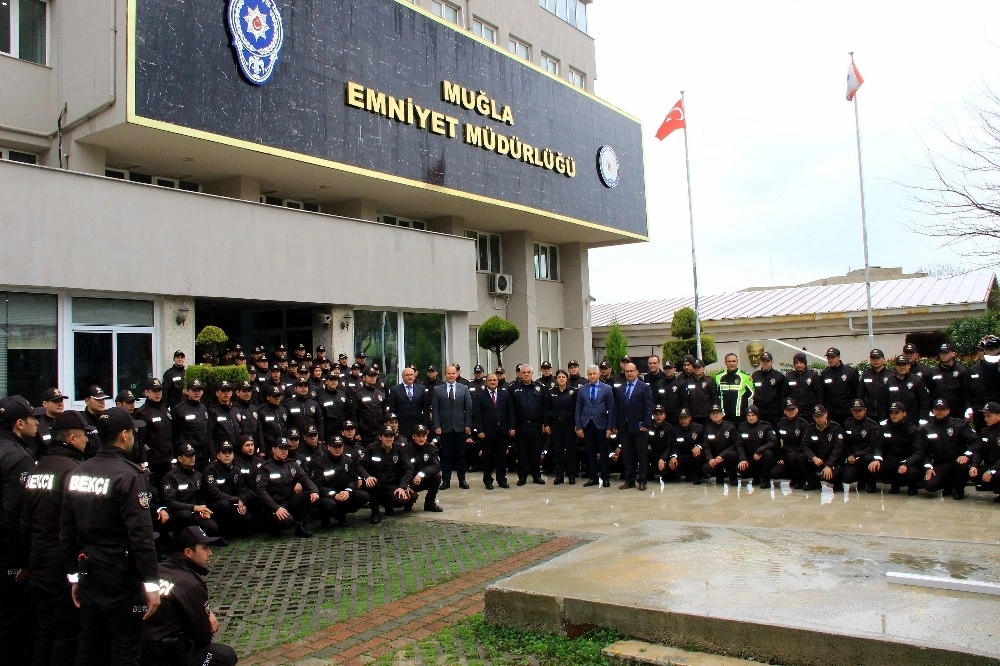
257,37
608,166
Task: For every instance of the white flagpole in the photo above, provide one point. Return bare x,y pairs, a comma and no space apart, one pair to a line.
694,260
864,224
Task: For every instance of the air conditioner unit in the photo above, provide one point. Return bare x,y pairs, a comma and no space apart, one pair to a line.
500,284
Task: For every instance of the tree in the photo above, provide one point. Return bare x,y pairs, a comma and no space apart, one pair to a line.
209,340
615,345
682,329
966,333
497,334
963,196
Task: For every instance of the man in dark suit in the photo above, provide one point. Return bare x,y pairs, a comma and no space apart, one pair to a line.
452,424
595,417
409,402
634,409
493,420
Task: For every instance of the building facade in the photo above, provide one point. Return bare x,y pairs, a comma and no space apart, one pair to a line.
382,176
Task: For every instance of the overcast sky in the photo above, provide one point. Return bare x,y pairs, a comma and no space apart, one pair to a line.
771,135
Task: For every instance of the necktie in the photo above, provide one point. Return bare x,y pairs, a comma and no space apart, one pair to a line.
593,392
451,391
493,396
628,391
409,393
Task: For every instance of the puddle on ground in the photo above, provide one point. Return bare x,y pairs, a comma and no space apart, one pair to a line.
960,569
694,534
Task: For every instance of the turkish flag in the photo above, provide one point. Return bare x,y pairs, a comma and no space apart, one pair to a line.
854,80
674,120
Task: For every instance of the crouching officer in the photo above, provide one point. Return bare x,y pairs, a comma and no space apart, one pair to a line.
949,446
230,511
899,456
336,476
426,469
387,473
276,489
181,632
186,496
106,535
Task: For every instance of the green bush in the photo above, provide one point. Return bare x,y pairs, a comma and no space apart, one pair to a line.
497,334
966,333
615,345
212,375
675,350
682,325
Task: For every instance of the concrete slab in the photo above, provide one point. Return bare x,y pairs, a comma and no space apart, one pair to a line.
640,652
787,596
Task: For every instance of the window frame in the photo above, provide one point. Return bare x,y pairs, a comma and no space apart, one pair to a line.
400,221
550,64
479,26
14,32
5,154
438,8
549,270
573,74
549,347
514,42
491,240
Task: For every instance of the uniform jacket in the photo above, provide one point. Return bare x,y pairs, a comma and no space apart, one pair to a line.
804,389
15,466
183,603
672,394
40,514
560,412
529,402
735,392
912,392
826,444
182,490
276,482
900,444
426,460
371,409
391,467
769,389
303,412
106,517
945,440
839,387
157,436
873,391
191,426
685,439
755,439
719,439
702,394
790,433
228,480
951,384
332,475
861,437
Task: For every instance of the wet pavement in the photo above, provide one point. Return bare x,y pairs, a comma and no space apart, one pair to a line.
609,510
776,574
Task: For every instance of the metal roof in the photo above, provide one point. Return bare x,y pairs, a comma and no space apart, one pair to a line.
804,301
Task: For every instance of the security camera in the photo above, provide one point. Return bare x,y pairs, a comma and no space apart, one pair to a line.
324,319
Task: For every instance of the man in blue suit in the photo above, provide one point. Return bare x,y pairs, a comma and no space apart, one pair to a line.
634,409
595,417
452,424
409,402
493,420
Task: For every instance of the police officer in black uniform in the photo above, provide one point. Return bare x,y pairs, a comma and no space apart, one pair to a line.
231,511
181,631
986,458
185,496
769,389
336,476
872,387
949,446
528,397
191,423
335,404
702,392
899,456
18,426
680,460
272,418
53,404
106,535
57,618
173,380
94,400
839,383
158,434
276,483
560,414
949,381
671,393
717,452
823,451
426,462
386,473
303,411
756,437
661,443
861,434
226,425
803,384
789,458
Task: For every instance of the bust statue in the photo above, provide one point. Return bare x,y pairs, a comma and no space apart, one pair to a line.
754,350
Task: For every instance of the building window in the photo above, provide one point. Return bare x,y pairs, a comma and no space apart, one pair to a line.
484,30
447,11
17,155
573,12
378,335
550,64
578,79
480,356
548,347
28,350
520,49
546,262
487,251
146,179
289,203
23,27
396,221
112,345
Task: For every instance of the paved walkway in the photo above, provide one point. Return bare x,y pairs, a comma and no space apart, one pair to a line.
403,622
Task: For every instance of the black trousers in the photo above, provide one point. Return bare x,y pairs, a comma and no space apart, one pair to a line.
564,449
111,610
948,476
299,509
596,442
452,454
635,455
529,450
494,457
213,653
230,522
761,469
184,518
431,483
328,507
16,620
727,468
383,494
889,472
858,472
58,622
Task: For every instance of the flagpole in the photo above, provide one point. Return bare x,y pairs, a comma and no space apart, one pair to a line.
864,224
694,259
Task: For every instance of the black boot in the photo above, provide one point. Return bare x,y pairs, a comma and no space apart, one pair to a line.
376,517
301,530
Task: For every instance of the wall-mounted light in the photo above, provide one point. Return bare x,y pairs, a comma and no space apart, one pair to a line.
182,314
345,321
